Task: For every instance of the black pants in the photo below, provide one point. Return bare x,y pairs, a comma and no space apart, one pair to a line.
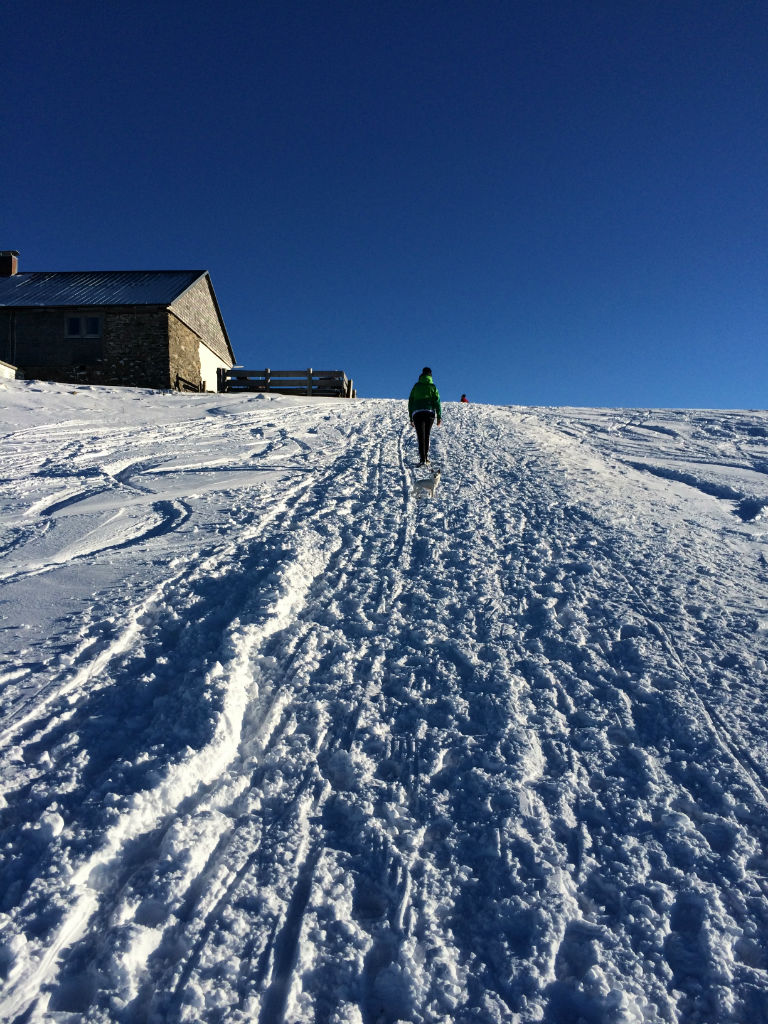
423,422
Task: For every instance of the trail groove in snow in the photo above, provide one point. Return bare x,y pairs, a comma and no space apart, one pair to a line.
321,753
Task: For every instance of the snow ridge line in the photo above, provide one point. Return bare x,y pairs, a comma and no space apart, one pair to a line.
202,768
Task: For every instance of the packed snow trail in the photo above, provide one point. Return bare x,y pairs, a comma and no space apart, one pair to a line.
304,749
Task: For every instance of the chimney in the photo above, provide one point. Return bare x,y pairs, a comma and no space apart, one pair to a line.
9,262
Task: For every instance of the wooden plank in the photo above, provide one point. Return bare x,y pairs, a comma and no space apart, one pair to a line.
241,371
322,383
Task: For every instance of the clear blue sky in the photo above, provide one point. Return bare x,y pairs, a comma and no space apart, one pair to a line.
549,201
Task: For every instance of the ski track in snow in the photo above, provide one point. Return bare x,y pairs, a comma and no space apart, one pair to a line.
311,751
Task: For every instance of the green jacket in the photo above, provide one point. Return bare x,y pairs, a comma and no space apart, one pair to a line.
425,397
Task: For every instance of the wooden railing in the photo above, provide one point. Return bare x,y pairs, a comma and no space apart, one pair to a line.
182,384
318,383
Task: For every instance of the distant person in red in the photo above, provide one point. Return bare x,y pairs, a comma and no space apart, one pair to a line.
465,399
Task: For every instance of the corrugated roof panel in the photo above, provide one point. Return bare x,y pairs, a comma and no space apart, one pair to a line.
96,288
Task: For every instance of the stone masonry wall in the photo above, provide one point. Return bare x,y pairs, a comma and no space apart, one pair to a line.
197,308
132,351
37,336
183,346
136,347
140,346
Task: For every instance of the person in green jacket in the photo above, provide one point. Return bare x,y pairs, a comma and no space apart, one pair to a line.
423,407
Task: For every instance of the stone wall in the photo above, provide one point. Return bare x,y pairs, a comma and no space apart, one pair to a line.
136,347
37,336
132,350
184,361
197,308
139,346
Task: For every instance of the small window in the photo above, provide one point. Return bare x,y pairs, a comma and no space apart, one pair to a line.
83,327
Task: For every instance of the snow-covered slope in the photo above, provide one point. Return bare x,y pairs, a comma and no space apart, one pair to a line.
279,743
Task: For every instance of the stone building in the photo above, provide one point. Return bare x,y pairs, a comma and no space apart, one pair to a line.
142,328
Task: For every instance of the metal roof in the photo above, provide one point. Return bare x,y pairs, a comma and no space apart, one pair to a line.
96,288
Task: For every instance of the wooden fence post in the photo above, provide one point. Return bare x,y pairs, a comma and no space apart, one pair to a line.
309,381
267,378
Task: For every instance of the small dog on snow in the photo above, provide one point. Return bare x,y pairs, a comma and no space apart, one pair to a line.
425,487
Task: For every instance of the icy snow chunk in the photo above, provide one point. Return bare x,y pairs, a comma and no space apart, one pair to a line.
13,950
340,770
50,825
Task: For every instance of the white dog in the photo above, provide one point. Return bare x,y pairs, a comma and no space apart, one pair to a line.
425,487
